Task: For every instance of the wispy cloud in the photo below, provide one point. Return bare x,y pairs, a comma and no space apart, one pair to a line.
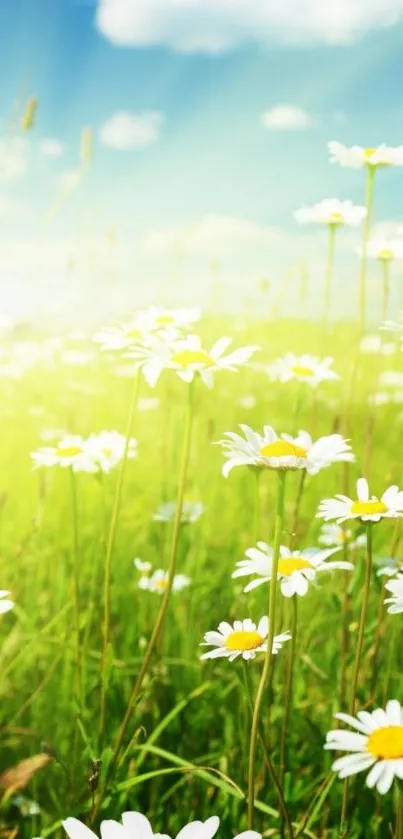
212,232
217,25
286,118
125,131
51,147
13,158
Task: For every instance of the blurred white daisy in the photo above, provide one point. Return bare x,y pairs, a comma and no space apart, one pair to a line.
188,359
26,806
157,582
388,566
148,403
247,402
296,569
108,447
366,507
136,825
331,211
273,451
385,250
395,587
391,378
333,534
356,157
375,344
244,639
143,566
71,451
191,511
5,603
169,323
302,368
378,745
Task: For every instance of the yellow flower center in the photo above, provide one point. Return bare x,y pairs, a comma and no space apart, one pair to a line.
69,451
187,357
385,254
161,584
368,508
133,334
286,567
336,218
107,452
302,371
368,153
244,641
386,743
282,448
163,319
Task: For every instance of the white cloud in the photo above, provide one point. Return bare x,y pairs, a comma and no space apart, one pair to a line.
13,158
212,233
219,25
286,118
51,147
125,131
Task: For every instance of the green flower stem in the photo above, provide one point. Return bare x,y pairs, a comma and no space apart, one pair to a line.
257,525
362,277
297,507
279,525
385,264
109,552
288,689
268,760
398,833
358,655
76,592
329,273
164,602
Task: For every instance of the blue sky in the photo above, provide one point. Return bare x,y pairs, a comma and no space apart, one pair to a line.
214,156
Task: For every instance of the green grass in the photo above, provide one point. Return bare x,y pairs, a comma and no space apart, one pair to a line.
188,740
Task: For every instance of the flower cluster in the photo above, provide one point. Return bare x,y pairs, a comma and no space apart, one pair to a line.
96,453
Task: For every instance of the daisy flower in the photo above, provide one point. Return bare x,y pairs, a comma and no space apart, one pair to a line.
296,569
366,507
302,368
374,343
332,211
396,589
385,250
273,451
333,534
136,825
188,358
108,447
191,512
71,450
154,321
356,157
378,745
5,603
143,567
243,638
388,566
158,582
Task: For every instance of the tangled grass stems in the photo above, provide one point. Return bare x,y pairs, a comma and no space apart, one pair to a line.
358,655
187,436
278,531
109,552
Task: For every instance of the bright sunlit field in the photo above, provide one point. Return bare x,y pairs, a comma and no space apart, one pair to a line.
184,753
201,419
